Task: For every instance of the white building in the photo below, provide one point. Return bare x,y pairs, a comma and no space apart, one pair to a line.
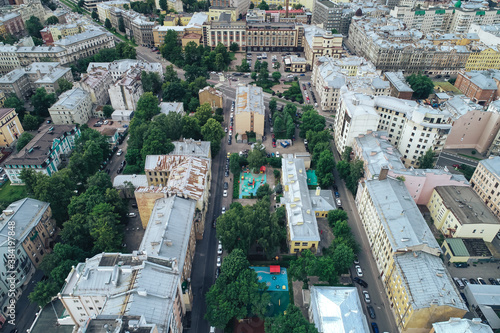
126,92
337,310
86,44
73,107
119,67
461,325
96,82
167,107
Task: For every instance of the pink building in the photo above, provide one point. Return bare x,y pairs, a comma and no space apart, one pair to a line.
421,182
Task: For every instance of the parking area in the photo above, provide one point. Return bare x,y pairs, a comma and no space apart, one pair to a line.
270,58
133,229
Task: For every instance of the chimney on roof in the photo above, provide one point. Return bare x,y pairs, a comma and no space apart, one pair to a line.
383,172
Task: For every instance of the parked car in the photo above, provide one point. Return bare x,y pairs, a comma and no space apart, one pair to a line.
224,194
458,282
356,260
465,281
359,271
366,296
337,195
226,174
493,281
223,210
219,248
217,273
226,185
360,282
460,264
131,215
375,328
481,280
473,281
219,261
134,204
119,152
371,311
338,202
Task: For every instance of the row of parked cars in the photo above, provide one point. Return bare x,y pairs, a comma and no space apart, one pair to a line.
462,282
366,295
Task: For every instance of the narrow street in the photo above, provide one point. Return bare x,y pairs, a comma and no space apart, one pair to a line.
379,301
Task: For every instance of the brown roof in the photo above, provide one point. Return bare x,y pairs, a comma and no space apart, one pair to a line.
5,111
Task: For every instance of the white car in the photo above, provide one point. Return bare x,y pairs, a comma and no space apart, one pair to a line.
367,296
119,152
290,76
132,215
219,249
224,210
219,261
277,154
230,132
358,270
224,194
225,129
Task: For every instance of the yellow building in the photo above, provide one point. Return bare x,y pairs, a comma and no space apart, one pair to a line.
302,226
460,213
466,250
2,98
59,31
421,291
3,30
483,59
10,127
191,37
215,12
249,114
319,43
485,182
295,64
211,96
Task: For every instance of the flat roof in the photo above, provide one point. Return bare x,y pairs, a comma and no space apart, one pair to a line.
466,205
191,147
400,217
167,107
250,99
398,81
461,325
427,280
337,309
169,228
71,99
492,164
26,213
301,219
469,247
485,294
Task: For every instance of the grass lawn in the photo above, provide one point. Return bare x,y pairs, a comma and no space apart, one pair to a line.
471,157
9,194
446,86
232,56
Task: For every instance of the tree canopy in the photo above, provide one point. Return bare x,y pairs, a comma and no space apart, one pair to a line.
33,26
23,140
422,85
52,20
311,121
64,85
42,102
426,161
292,321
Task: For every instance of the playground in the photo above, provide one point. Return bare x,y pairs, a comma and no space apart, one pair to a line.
250,182
312,179
276,279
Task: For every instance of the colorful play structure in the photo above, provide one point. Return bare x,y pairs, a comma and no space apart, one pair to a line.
249,183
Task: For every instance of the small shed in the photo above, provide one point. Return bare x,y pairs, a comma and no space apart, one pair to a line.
263,169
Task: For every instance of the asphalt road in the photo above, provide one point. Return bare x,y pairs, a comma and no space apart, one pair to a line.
145,54
379,301
449,159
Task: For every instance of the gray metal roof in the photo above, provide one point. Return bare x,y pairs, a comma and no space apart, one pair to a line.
26,213
89,34
337,309
250,99
191,147
398,81
492,164
461,325
400,217
71,99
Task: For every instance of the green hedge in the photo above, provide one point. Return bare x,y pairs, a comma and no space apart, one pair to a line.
236,189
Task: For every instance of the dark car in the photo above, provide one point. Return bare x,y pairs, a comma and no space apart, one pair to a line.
371,311
337,195
473,281
226,173
226,185
375,327
460,264
134,204
217,272
213,224
360,282
335,188
493,281
119,170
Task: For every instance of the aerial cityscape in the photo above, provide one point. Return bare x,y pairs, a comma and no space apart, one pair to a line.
250,166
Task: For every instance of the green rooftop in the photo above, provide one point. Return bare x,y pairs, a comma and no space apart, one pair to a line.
458,248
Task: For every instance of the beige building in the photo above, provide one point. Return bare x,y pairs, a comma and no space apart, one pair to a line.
85,44
275,37
96,82
73,107
458,212
126,91
319,43
10,127
486,180
9,59
295,64
225,33
250,111
211,96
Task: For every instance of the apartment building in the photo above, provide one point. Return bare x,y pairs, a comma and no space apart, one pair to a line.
399,87
184,174
459,212
13,23
126,91
275,37
137,284
171,234
241,6
31,8
461,325
104,8
73,107
485,182
96,82
391,47
328,14
226,33
421,291
306,3
23,251
250,111
211,96
295,64
8,59
26,55
337,309
118,68
119,323
10,127
494,148
23,82
483,57
479,86
445,19
319,43
86,44
55,32
44,153
330,75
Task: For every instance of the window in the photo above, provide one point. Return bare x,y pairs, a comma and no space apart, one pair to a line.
297,243
304,243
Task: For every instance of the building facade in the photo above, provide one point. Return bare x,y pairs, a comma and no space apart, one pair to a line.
249,114
485,182
126,91
96,82
479,86
321,43
211,96
328,14
275,37
73,107
10,127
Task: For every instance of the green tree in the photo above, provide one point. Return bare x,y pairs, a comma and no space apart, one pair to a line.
42,102
336,215
311,121
263,190
234,165
164,5
234,47
107,110
422,85
107,24
43,293
253,76
94,15
76,232
151,82
344,169
324,168
302,267
426,161
343,257
191,127
203,114
355,173
104,229
212,131
244,67
346,154
236,293
13,102
171,124
276,76
272,106
33,26
147,107
121,24
252,6
52,20
256,157
23,140
126,7
64,85
263,5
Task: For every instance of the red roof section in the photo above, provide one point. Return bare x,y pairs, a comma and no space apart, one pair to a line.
291,11
274,269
